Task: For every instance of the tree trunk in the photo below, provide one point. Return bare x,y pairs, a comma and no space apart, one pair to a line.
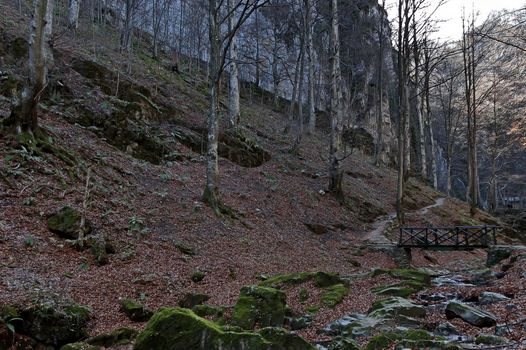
73,13
233,76
380,110
335,171
211,192
24,115
310,49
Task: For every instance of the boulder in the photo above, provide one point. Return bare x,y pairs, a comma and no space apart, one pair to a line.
446,329
55,322
297,323
66,223
135,311
176,328
471,315
341,343
396,306
192,299
490,298
121,336
79,346
496,254
483,277
488,339
262,305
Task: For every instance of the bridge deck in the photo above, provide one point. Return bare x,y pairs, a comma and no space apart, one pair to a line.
457,237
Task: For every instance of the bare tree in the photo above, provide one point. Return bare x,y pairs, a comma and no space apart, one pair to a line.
24,114
73,13
335,171
233,73
220,42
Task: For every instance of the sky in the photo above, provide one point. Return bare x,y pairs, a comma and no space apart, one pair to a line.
451,13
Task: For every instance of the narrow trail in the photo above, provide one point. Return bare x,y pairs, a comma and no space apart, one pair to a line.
376,235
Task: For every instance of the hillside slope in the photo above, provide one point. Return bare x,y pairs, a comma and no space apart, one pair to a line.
145,183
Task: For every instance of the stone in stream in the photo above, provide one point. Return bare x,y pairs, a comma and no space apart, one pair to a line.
471,315
490,298
483,277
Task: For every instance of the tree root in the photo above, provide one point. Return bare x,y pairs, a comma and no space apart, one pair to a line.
40,145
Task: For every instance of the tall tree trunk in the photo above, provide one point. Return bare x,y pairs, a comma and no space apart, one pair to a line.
380,110
433,176
335,171
24,115
211,192
73,13
233,76
310,49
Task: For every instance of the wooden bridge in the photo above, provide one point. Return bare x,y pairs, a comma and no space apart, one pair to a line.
457,238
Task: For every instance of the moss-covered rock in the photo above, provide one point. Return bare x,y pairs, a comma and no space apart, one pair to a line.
207,310
79,346
488,339
417,277
334,295
262,305
341,343
291,278
175,328
198,276
135,311
66,223
397,291
326,279
280,338
55,322
396,306
190,300
427,344
382,341
119,336
470,314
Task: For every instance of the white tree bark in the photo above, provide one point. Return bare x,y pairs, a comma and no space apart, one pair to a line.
310,62
73,13
233,76
25,110
335,172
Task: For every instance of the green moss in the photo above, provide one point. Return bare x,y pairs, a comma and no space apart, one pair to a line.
263,305
417,334
291,278
313,309
394,291
207,310
417,277
66,223
341,343
182,329
303,295
79,346
135,311
280,337
487,339
325,279
382,341
121,336
198,276
334,295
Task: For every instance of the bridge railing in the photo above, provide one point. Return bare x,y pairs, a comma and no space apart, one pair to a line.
448,237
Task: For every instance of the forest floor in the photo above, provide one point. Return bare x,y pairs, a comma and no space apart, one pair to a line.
148,211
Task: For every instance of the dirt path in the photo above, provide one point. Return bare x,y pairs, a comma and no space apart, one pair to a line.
376,235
